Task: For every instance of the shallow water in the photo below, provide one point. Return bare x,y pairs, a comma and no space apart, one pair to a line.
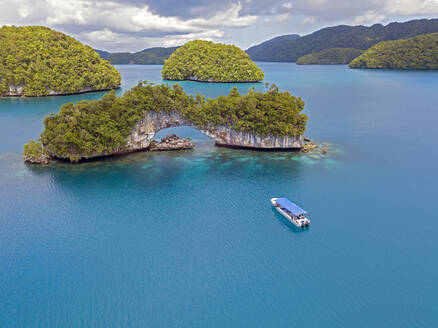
189,239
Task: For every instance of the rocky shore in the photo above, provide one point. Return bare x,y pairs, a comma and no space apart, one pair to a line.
171,142
43,159
310,146
18,91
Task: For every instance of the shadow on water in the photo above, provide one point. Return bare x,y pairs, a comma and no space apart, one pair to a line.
285,223
145,170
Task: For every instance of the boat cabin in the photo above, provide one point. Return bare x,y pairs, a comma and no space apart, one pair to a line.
291,211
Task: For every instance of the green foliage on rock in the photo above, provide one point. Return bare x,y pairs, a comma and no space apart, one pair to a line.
34,152
92,128
420,52
331,56
272,113
38,61
34,149
211,62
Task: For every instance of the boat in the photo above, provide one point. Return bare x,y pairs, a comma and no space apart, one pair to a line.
291,211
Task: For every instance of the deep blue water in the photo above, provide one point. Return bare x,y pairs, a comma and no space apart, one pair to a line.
189,239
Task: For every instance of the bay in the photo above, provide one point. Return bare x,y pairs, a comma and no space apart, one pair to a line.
189,239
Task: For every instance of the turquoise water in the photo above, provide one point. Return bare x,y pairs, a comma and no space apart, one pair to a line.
189,239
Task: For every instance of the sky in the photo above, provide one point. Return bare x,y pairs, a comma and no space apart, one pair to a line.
133,25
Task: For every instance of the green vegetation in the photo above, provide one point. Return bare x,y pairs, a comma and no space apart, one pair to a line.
43,62
211,62
272,113
149,56
330,57
34,149
356,37
420,52
90,128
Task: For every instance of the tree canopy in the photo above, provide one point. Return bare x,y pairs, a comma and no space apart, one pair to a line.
420,52
330,57
211,62
43,61
91,127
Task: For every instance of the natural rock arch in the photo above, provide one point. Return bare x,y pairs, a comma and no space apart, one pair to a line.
145,130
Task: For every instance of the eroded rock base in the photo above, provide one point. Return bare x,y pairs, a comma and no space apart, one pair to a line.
171,142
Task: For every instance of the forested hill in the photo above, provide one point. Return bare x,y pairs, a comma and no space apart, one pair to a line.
330,56
272,49
38,61
206,61
145,57
357,37
420,52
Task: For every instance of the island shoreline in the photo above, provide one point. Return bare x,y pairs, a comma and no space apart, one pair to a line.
58,95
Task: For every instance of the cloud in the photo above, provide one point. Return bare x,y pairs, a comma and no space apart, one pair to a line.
369,17
136,24
308,20
104,21
360,12
276,18
411,7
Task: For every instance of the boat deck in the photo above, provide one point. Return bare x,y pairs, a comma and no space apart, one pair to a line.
291,211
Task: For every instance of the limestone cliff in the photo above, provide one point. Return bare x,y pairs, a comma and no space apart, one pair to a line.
171,142
153,122
18,91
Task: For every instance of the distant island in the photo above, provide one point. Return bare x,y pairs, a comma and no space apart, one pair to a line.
150,56
118,125
332,56
420,52
38,61
291,48
205,61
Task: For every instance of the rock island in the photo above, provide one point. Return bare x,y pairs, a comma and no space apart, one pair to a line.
205,61
38,61
118,125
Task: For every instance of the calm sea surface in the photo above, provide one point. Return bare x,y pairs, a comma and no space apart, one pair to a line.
190,239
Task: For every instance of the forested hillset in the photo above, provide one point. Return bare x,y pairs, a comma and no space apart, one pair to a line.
291,49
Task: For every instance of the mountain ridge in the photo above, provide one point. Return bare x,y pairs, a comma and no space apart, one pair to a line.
341,36
148,56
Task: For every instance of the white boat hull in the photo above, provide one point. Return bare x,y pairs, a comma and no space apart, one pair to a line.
299,222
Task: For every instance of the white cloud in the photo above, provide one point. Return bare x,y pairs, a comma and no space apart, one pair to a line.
228,18
111,23
276,18
308,20
364,11
125,24
369,17
412,7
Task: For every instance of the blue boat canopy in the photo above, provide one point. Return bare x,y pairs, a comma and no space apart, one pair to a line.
291,207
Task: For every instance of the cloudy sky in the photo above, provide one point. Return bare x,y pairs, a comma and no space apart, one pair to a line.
132,25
